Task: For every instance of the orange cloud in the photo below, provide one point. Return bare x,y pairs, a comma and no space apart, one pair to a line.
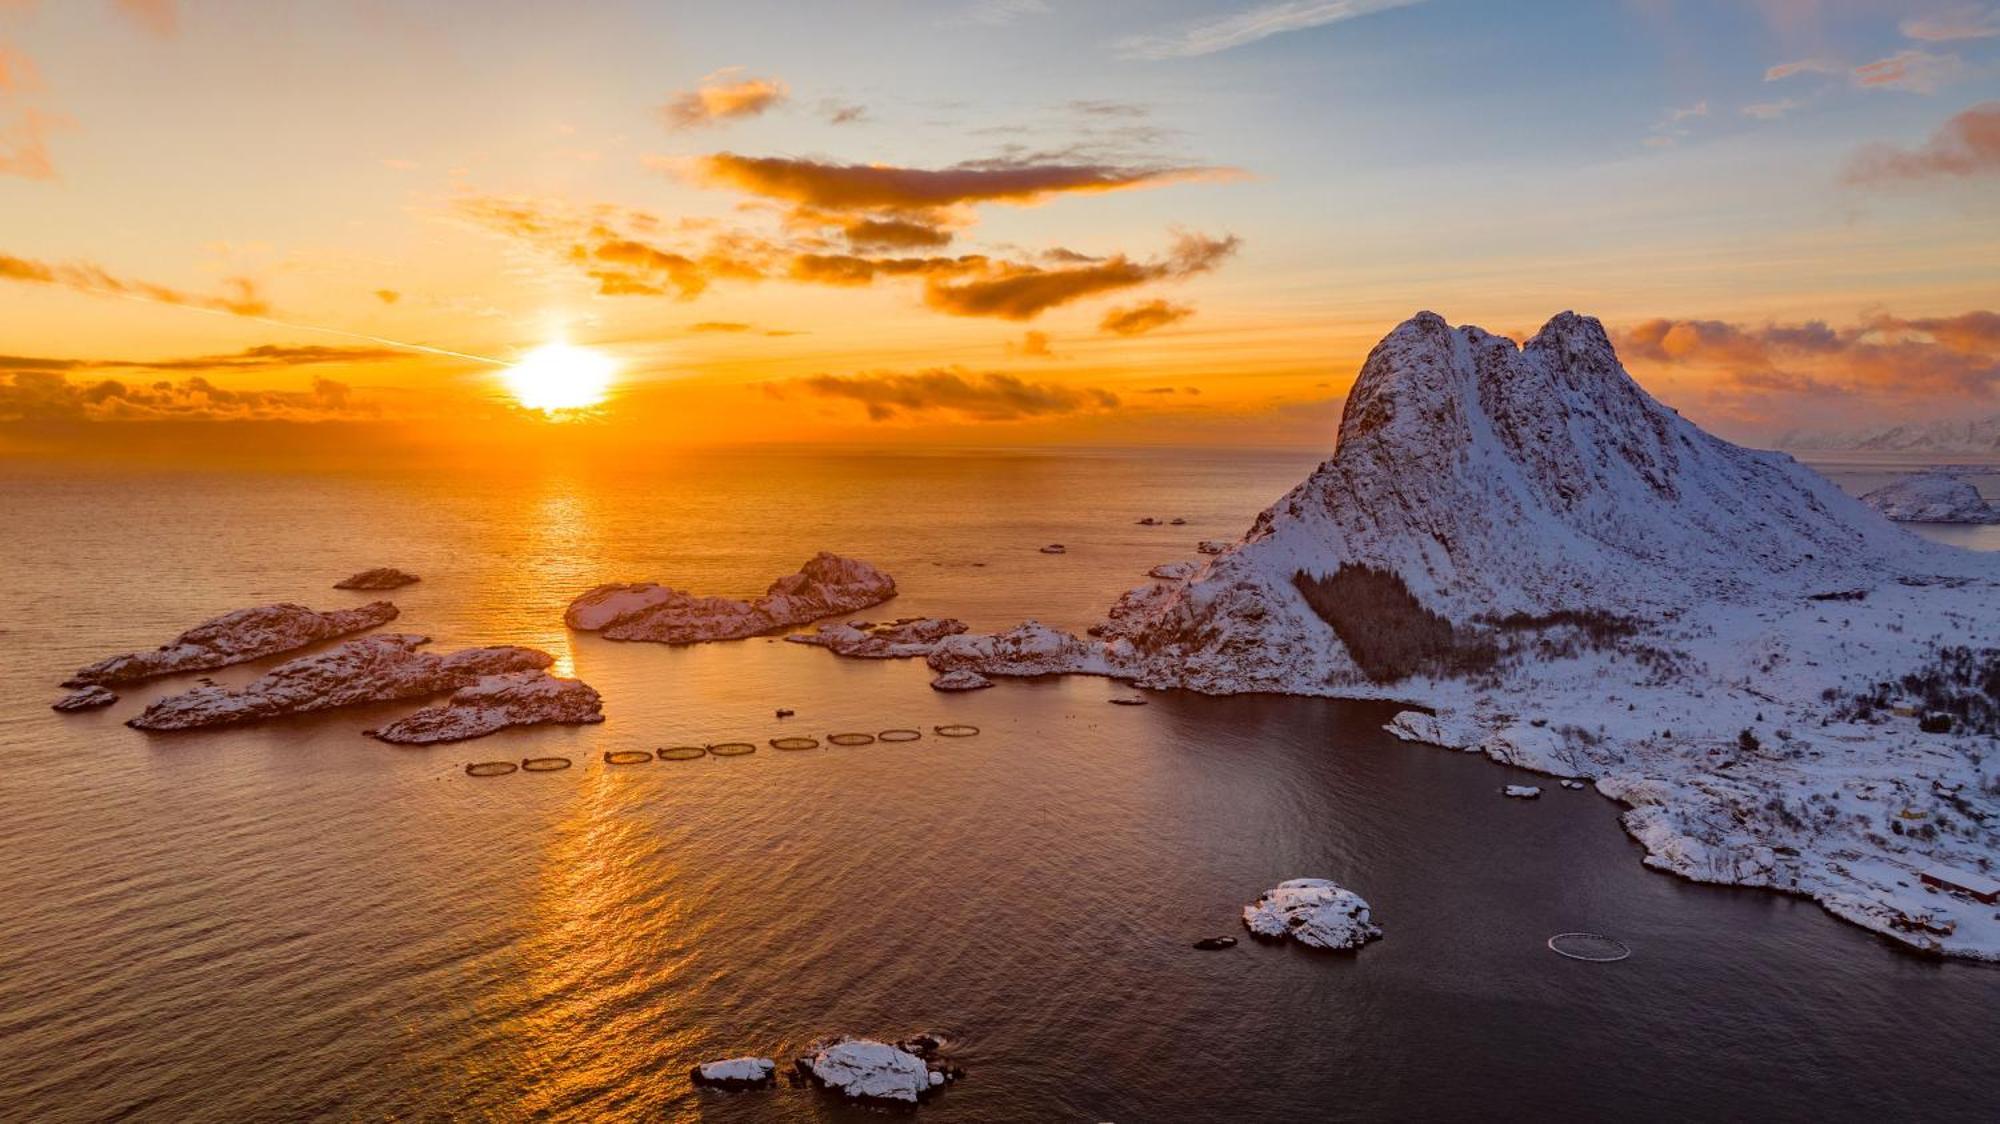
1967,21
47,396
242,297
24,145
1885,356
1966,145
261,357
715,102
1013,291
991,396
1916,72
883,187
161,17
1140,319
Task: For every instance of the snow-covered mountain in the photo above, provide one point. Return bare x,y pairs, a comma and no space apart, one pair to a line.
1490,480
1950,437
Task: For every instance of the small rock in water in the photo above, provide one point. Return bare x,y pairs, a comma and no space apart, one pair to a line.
1177,521
1128,700
1573,784
381,577
1215,944
86,698
1055,548
736,1073
960,681
1211,546
1522,791
1313,912
785,712
1149,521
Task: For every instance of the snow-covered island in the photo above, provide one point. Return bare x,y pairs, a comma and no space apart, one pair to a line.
494,703
1932,497
1315,912
826,586
233,638
1552,568
736,1074
866,1070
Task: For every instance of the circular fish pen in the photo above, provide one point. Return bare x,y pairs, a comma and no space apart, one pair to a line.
682,753
899,735
851,739
1593,947
955,730
627,757
544,764
794,743
731,749
490,768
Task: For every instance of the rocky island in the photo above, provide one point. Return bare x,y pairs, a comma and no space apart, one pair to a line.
233,638
826,586
1932,497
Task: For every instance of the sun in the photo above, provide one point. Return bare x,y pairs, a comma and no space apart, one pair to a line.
558,376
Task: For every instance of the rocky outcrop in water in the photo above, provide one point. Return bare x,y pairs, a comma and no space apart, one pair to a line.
863,1069
85,698
908,638
381,577
736,1074
952,681
1314,912
494,703
369,669
1932,497
233,638
826,586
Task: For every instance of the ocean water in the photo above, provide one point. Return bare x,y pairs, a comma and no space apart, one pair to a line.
291,921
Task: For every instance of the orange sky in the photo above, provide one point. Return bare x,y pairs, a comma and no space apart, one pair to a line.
249,230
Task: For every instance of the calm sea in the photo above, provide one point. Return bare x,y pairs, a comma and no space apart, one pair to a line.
291,921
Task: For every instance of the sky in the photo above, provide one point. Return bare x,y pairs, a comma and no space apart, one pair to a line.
255,228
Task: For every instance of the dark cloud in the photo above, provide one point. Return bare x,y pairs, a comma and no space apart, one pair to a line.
1140,319
722,99
263,357
240,297
49,396
988,396
1966,145
1021,292
894,234
718,326
842,113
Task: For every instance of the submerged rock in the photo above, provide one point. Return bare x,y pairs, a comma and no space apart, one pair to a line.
736,1073
1313,912
904,639
960,680
1055,548
233,638
381,577
1932,497
369,669
826,586
1215,944
867,1070
85,698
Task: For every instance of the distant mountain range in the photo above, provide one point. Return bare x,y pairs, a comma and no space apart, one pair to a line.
1955,436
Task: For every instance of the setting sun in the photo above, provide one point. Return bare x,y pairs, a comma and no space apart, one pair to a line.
558,376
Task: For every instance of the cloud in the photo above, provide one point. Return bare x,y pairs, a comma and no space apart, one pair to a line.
24,145
388,296
1771,110
160,17
1966,21
894,234
1206,37
1669,129
262,357
1911,71
707,326
1922,358
1033,345
1013,291
49,396
997,13
717,100
1803,66
241,298
1140,319
988,397
884,187
1966,145
17,72
842,113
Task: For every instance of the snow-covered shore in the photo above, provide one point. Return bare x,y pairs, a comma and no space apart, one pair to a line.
1571,578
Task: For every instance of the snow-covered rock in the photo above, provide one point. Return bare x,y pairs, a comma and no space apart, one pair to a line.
1522,791
85,698
1977,436
826,586
1026,649
368,669
381,577
233,638
521,698
1211,546
867,1070
736,1073
1314,912
910,638
1932,497
960,680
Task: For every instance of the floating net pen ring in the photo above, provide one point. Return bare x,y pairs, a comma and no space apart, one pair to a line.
1594,947
955,730
899,735
731,749
682,753
544,764
627,756
794,743
851,739
490,768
